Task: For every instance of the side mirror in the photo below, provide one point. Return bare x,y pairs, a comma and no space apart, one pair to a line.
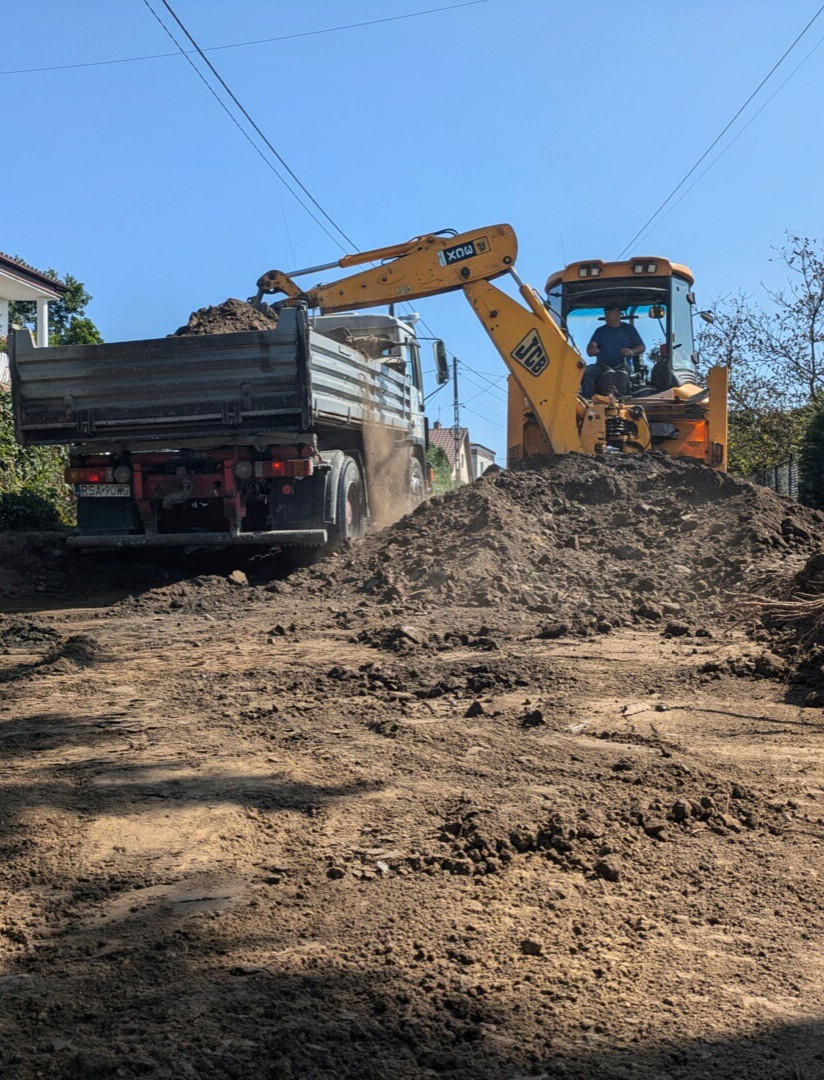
707,316
441,362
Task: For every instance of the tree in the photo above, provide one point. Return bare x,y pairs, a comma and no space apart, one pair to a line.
68,323
776,358
442,470
81,331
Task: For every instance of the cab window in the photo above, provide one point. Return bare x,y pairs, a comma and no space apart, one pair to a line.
681,341
415,353
554,301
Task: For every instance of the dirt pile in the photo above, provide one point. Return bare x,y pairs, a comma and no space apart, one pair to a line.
793,622
386,817
596,542
22,633
230,317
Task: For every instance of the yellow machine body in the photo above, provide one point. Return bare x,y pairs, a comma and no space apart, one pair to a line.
546,411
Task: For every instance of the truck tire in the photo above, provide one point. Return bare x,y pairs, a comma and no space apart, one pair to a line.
417,483
350,519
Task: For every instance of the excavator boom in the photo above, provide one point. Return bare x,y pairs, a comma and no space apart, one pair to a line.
423,266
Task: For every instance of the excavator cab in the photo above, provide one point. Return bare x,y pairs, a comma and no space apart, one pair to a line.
653,401
655,297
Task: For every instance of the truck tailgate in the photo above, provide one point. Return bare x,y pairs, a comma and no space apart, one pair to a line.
214,386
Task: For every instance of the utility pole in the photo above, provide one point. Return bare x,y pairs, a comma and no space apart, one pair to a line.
456,429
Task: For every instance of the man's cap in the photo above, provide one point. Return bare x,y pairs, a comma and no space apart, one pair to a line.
612,307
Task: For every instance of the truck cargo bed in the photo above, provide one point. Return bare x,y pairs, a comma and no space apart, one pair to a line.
291,379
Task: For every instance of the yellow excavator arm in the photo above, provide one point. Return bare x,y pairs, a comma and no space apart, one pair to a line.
546,410
423,266
546,368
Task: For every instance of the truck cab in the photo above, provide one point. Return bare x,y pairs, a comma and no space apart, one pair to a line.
387,339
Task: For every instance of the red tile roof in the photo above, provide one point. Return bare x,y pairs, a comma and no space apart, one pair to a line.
444,438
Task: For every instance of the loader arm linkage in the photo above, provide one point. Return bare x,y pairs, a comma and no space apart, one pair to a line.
545,367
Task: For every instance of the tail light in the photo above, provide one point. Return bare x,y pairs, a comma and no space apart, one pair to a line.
88,475
292,467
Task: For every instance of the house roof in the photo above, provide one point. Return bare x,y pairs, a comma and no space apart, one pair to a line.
19,281
485,449
444,438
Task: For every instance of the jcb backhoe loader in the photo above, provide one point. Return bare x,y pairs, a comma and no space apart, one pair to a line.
633,408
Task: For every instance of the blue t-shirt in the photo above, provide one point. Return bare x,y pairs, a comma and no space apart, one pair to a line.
611,339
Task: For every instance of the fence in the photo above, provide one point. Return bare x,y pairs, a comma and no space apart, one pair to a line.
4,369
782,478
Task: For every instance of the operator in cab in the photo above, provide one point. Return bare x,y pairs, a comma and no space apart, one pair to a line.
614,344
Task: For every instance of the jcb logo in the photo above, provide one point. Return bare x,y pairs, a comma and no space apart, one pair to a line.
451,255
530,353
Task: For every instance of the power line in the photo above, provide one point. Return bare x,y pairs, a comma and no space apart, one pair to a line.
219,78
733,140
484,389
239,126
485,375
244,44
487,418
262,136
721,134
476,396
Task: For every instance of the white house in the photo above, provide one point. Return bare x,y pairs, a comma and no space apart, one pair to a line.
482,458
19,281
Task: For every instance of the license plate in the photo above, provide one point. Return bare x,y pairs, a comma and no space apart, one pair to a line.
104,491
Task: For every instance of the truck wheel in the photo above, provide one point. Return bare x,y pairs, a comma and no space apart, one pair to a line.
417,483
351,506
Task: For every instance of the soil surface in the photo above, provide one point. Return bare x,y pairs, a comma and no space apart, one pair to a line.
227,318
468,799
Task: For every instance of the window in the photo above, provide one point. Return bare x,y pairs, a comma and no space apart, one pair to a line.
554,301
584,321
415,352
682,347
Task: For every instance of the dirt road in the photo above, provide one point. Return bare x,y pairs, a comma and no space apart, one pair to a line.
252,833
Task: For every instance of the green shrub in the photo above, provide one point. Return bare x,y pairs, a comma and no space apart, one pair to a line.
27,510
30,477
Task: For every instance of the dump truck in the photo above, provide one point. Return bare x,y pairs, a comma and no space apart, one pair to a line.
541,339
291,436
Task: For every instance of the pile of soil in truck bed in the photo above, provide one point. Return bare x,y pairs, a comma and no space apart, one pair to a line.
230,317
499,792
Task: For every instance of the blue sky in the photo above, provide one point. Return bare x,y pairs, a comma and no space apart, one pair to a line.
571,121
